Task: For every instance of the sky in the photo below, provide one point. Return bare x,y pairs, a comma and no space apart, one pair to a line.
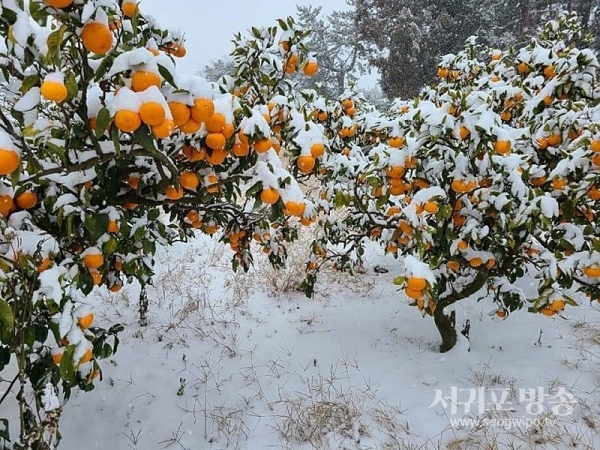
209,26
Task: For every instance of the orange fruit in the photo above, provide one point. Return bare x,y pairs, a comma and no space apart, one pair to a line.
54,91
549,72
592,271
216,157
538,181
463,245
174,194
26,200
557,305
113,226
9,161
129,9
405,227
290,65
596,160
97,38
164,129
458,220
180,112
310,68
142,80
458,186
127,121
228,130
317,150
554,140
559,184
115,24
240,149
202,110
464,132
411,293
269,196
152,113
595,146
133,182
453,265
431,207
216,141
44,265
442,72
542,143
189,180
211,180
190,127
502,147
215,123
523,68
546,311
58,3
476,262
293,208
93,260
263,145
192,216
501,313
395,172
57,355
305,163
118,265
86,321
6,204
396,142
416,284
87,356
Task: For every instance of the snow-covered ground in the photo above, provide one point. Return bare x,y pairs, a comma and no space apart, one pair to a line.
225,363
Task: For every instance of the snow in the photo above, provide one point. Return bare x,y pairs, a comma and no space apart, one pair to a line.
29,101
6,142
220,368
50,398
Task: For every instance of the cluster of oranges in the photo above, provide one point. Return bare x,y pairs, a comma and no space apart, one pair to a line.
84,322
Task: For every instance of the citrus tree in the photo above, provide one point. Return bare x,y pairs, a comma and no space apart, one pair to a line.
488,177
106,152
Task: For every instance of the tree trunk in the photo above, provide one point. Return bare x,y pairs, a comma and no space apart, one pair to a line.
143,306
446,326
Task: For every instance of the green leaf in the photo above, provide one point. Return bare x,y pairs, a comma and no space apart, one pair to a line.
54,41
254,189
145,139
67,365
103,120
282,24
164,72
96,225
149,247
114,135
110,247
398,281
29,82
153,214
6,315
4,428
5,355
71,83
